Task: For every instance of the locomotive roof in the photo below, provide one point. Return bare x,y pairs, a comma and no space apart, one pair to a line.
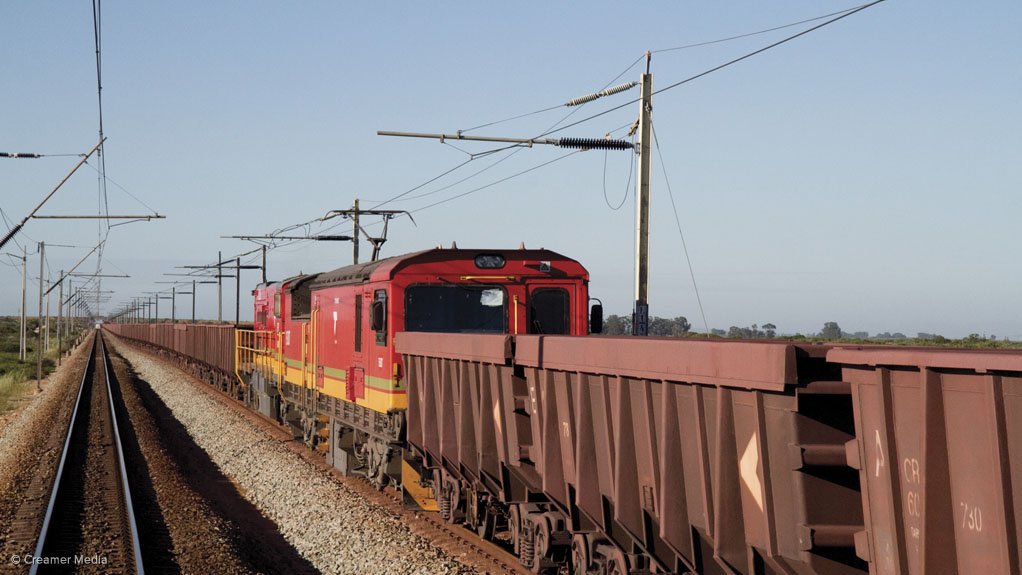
288,284
359,273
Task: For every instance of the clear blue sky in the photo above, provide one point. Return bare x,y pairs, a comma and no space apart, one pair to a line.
867,173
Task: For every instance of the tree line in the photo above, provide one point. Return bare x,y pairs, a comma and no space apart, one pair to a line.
658,326
680,327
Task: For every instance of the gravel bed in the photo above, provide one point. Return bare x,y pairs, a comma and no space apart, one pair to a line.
332,526
199,522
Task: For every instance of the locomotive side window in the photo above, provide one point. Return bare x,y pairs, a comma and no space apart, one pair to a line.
358,322
456,308
301,300
276,304
379,316
548,311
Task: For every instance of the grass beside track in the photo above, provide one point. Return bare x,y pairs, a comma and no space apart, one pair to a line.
16,376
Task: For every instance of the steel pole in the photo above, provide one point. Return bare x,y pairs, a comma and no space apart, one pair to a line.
354,233
39,321
24,287
640,317
173,304
47,343
219,289
193,301
60,313
237,291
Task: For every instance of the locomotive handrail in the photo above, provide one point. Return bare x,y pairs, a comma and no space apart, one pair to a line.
281,364
248,351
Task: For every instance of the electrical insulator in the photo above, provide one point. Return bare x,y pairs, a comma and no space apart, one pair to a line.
18,155
608,92
595,144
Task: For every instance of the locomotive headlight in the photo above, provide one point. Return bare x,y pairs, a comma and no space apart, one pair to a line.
490,261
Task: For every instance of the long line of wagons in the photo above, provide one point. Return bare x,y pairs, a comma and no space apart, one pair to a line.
469,379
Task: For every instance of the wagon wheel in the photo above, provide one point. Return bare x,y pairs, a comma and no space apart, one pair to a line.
617,564
452,490
487,525
485,519
579,555
541,542
514,522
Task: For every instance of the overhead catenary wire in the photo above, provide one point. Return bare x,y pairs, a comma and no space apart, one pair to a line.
97,31
476,156
662,50
731,62
517,117
628,182
103,198
491,184
681,233
420,186
123,189
756,33
556,127
517,146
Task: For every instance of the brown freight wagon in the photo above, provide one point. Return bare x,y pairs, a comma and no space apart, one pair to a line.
721,457
206,349
940,457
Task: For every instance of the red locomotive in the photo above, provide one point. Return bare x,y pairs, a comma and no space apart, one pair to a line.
321,355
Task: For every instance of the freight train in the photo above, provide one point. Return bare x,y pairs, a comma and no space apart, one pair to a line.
470,381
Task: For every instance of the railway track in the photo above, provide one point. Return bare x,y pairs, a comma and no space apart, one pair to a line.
89,525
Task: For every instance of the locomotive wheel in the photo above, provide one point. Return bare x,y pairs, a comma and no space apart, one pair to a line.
579,555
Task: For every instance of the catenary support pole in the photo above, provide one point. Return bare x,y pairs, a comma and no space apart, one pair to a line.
46,345
237,292
640,317
39,321
219,288
24,300
60,313
354,233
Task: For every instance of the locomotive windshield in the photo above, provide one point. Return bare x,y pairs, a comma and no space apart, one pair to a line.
456,308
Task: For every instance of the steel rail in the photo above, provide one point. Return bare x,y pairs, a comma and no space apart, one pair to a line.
55,490
60,467
128,507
